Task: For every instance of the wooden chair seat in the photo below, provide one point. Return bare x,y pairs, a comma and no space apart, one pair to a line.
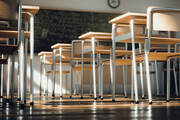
154,40
87,68
12,34
120,62
159,56
58,72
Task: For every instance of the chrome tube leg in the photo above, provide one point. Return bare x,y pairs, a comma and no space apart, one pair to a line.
141,73
22,82
94,67
175,78
168,77
157,78
99,75
168,81
71,81
40,85
12,79
77,81
132,84
141,78
134,62
53,72
60,69
47,83
9,77
31,58
148,77
124,80
162,82
82,68
113,62
102,82
2,79
19,83
25,67
44,74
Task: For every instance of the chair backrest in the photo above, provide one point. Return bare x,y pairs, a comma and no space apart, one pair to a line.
166,21
8,9
123,29
77,48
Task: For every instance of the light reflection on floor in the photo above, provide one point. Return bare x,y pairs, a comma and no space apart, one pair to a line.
87,108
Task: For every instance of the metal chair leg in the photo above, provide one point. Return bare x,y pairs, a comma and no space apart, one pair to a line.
175,78
60,69
94,67
2,79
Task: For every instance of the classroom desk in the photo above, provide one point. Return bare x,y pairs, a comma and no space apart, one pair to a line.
127,18
131,37
28,13
64,55
94,37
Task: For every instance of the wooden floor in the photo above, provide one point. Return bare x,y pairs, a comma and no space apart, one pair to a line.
87,108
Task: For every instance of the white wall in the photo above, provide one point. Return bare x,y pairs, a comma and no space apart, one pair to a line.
101,5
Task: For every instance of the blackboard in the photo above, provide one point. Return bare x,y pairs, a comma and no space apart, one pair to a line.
54,26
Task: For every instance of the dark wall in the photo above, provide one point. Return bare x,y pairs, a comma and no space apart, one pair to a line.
52,26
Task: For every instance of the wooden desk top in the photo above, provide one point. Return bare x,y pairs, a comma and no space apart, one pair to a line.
12,34
45,53
31,9
63,45
125,18
97,35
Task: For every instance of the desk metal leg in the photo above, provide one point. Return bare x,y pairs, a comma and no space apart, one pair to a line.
141,72
157,77
2,79
22,82
19,83
40,85
9,77
44,74
134,61
102,82
99,74
94,67
148,77
175,78
60,69
113,62
82,68
132,84
31,59
53,72
168,76
124,80
12,78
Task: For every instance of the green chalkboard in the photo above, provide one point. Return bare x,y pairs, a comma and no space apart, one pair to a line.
53,26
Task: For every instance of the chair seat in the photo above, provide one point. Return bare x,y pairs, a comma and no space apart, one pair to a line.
12,33
159,56
58,72
7,49
120,62
87,68
155,39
